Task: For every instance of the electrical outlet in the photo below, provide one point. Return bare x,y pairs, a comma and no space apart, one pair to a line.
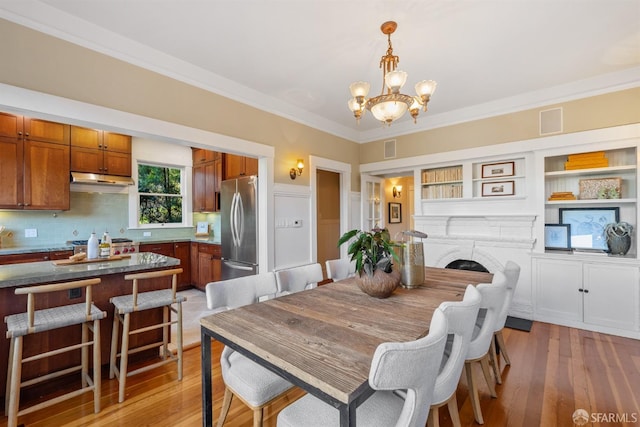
146,233
31,232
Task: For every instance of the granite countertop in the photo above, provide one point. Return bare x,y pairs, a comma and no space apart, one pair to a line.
46,271
65,247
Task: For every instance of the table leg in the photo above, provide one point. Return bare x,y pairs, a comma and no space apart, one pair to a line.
207,395
348,415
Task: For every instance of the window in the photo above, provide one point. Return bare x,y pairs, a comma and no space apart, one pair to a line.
160,195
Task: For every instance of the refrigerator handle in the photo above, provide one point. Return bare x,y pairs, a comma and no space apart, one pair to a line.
237,266
232,219
240,224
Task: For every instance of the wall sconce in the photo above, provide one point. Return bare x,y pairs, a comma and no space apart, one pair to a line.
397,191
297,170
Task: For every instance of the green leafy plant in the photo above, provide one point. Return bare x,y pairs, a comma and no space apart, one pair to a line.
371,250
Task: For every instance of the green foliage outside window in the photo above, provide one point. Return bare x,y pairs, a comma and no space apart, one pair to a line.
159,189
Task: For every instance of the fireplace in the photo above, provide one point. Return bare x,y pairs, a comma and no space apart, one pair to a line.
467,264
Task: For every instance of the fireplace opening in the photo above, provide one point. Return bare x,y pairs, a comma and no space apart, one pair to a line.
466,264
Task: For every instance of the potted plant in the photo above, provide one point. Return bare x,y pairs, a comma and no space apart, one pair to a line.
373,254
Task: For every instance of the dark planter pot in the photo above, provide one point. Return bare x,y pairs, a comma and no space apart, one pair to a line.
380,285
619,245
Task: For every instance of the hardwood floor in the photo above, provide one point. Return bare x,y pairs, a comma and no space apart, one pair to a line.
554,371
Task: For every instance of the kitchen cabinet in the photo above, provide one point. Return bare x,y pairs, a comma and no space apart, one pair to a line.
237,166
34,160
207,175
587,294
34,257
209,264
100,152
180,250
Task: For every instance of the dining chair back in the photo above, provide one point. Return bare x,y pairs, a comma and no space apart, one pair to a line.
338,269
232,293
409,366
298,279
35,321
512,273
251,383
493,295
461,318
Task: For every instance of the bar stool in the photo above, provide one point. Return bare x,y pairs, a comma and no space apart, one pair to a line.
35,321
140,301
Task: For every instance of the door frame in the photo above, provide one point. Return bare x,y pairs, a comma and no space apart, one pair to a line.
344,170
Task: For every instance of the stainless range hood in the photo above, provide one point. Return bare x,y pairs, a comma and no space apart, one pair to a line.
94,178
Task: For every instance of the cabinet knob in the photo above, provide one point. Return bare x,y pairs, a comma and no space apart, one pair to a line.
580,290
586,291
105,147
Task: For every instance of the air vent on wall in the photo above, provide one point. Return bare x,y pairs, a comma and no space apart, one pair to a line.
551,121
390,149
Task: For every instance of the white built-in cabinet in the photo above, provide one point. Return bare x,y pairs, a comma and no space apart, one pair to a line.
593,294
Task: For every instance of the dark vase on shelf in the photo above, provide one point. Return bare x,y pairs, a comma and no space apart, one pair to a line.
618,237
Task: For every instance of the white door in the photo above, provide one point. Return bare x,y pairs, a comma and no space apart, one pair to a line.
372,202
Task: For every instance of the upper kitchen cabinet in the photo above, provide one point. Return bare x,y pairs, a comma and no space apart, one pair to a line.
207,175
237,166
101,152
34,160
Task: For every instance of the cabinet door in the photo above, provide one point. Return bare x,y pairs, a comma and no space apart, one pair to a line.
87,160
250,166
233,166
204,181
195,278
11,126
86,138
205,269
182,251
201,156
11,173
46,131
46,176
217,181
117,142
611,296
116,163
558,288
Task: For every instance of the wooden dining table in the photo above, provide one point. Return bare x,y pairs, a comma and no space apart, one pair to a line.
323,339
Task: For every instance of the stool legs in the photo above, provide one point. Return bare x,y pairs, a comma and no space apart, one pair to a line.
13,381
124,357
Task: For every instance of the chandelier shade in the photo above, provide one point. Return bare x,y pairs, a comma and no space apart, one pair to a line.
392,105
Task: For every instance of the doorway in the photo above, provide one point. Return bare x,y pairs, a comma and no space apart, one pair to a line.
328,210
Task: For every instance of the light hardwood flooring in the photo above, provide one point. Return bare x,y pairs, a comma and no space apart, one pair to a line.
555,370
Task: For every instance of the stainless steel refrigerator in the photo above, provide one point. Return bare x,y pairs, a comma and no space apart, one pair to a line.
239,238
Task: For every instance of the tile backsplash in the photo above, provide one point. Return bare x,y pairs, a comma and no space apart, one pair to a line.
89,212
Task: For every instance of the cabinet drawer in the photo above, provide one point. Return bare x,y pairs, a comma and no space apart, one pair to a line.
158,248
215,250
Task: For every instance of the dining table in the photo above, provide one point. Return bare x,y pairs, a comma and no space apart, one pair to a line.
323,339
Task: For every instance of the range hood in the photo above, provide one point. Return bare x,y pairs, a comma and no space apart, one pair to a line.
94,178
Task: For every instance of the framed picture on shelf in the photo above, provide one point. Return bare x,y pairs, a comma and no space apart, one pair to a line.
557,237
588,224
395,213
498,188
495,170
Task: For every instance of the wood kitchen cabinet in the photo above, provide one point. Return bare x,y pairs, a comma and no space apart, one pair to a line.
34,257
180,250
236,166
34,160
207,175
100,152
208,264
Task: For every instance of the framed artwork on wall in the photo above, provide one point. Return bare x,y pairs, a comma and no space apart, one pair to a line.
557,236
395,213
498,188
495,170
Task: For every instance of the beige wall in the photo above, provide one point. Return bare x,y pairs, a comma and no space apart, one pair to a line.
613,109
35,61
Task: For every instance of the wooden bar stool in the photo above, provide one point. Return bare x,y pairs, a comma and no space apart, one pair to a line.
140,301
35,321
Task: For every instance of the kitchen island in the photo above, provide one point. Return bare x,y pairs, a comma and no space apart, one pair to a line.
111,273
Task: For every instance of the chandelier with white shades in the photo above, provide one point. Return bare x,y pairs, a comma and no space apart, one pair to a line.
389,107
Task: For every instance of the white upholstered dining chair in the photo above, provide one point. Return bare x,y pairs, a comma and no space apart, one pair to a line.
341,268
512,273
251,383
296,279
493,295
461,319
410,366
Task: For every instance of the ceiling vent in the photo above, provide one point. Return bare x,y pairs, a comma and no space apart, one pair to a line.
390,149
551,121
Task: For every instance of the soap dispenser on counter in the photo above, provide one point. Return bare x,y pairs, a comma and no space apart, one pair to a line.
92,246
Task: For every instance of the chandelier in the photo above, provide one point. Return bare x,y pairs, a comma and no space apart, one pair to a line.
390,106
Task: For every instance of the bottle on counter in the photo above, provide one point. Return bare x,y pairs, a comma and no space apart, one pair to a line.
92,246
105,246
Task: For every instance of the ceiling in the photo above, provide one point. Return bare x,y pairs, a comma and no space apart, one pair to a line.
296,58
